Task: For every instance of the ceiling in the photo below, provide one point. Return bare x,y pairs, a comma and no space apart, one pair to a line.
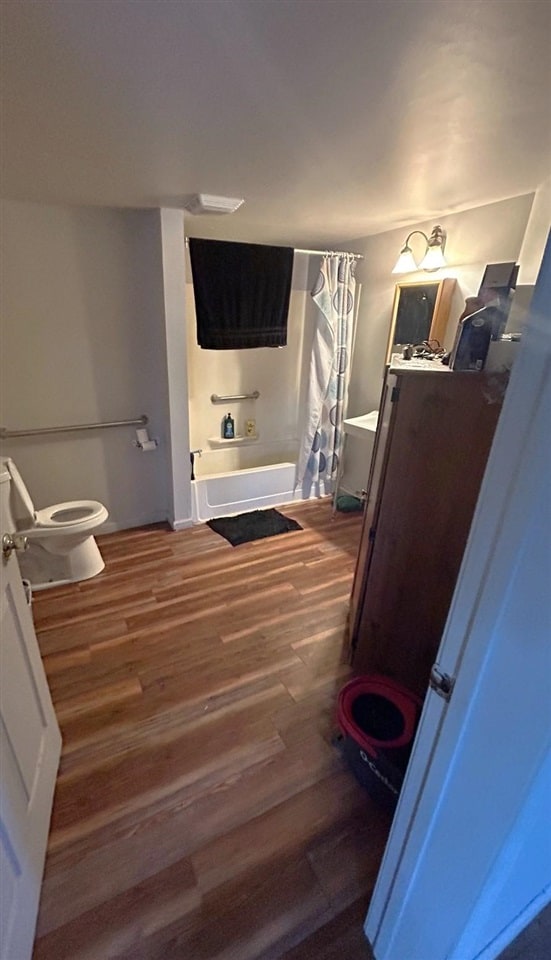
334,119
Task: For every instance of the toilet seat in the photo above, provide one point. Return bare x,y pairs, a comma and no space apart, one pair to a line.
72,516
24,507
61,516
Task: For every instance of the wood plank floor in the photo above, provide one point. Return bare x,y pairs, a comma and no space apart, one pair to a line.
201,812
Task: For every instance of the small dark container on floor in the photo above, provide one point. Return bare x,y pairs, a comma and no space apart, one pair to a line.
348,504
378,718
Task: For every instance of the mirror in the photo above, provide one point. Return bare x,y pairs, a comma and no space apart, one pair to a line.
420,312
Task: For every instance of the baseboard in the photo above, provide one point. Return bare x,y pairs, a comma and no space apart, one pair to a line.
113,526
182,524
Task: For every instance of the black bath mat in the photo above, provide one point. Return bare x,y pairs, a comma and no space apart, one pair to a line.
252,526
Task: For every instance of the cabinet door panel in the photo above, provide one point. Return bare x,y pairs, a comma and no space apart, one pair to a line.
374,483
442,432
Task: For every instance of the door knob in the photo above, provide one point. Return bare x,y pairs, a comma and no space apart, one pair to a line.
11,542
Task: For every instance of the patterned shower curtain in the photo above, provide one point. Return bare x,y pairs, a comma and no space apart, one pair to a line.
334,293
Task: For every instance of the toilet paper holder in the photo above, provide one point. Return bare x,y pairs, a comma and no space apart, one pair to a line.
144,442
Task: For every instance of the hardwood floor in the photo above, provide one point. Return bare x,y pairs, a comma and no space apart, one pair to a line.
201,812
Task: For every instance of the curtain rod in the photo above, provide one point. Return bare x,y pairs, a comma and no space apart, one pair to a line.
319,253
331,253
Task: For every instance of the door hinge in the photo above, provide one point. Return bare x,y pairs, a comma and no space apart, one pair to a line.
371,534
394,395
441,683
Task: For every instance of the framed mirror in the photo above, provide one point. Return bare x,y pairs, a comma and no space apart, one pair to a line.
420,312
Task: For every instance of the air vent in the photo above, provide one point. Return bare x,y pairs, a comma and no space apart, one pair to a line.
206,203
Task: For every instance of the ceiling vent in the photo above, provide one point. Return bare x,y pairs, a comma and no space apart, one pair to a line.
203,203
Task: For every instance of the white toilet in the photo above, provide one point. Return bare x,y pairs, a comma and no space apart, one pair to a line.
61,547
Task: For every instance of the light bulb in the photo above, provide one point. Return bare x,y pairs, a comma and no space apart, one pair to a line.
433,259
405,262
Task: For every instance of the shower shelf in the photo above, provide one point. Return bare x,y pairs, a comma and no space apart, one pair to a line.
235,441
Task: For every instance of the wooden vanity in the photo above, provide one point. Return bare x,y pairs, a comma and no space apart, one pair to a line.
433,438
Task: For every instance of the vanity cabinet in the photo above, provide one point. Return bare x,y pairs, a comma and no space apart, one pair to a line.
433,439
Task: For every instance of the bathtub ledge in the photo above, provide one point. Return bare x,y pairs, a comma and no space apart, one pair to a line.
235,441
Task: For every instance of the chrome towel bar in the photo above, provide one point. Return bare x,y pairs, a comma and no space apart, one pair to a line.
214,398
42,431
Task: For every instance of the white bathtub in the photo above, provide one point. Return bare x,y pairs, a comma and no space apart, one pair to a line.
217,495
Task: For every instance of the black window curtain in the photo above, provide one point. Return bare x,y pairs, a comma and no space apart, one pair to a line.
242,293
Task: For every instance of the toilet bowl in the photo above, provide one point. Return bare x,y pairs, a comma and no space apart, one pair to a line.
60,544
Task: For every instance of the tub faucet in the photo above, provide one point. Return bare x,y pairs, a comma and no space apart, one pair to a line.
192,455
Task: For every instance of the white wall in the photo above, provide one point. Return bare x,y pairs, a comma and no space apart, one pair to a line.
92,325
488,234
82,328
279,374
94,329
535,237
176,385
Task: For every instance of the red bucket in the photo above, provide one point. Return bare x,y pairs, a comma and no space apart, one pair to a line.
378,718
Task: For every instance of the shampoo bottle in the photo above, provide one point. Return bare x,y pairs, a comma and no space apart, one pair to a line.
228,428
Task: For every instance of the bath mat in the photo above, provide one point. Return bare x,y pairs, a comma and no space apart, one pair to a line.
252,526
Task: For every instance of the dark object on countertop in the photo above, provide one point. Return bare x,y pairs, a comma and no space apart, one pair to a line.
472,339
495,290
498,280
255,525
241,292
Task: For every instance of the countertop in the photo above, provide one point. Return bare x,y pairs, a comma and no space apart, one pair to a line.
399,365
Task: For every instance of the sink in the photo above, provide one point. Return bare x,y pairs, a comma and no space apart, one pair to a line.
361,426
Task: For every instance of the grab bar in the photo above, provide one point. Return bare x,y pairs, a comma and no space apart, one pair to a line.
214,398
5,433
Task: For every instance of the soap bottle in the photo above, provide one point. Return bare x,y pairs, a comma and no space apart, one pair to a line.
228,427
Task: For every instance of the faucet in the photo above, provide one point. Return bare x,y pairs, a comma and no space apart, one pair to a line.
192,455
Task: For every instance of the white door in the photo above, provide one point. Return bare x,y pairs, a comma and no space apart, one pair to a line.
30,746
468,862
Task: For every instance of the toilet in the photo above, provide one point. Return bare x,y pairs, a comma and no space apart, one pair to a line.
60,544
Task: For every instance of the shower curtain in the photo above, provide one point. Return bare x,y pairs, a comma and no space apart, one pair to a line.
334,293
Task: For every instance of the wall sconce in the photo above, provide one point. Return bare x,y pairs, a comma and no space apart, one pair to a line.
433,257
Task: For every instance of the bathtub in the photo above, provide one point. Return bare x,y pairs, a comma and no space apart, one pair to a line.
237,491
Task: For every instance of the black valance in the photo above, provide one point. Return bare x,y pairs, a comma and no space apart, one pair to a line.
242,293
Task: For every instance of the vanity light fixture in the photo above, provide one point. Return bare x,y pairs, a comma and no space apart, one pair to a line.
202,203
433,257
